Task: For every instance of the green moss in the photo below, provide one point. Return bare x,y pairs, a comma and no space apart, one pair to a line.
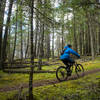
73,89
7,95
64,89
57,91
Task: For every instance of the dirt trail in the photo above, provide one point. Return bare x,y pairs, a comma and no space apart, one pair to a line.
46,82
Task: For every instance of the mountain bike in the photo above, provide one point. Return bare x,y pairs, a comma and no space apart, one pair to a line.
63,72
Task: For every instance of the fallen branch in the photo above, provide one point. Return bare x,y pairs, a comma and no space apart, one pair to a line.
27,71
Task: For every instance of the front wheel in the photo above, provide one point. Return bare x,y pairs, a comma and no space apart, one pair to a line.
61,73
79,70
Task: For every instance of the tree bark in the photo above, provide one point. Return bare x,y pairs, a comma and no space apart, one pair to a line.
91,34
32,55
27,43
75,40
6,32
88,37
48,46
21,25
41,54
80,41
2,8
62,37
53,43
36,34
99,40
15,36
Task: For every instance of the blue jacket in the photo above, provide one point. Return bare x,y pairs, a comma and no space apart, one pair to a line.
67,53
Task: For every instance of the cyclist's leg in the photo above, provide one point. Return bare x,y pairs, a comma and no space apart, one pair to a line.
65,61
71,61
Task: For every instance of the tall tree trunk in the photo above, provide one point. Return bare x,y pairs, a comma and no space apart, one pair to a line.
53,43
21,34
58,46
41,46
62,29
15,36
38,47
88,37
6,32
9,47
99,40
36,34
2,8
62,37
84,41
91,34
75,40
27,43
48,46
86,45
80,41
32,55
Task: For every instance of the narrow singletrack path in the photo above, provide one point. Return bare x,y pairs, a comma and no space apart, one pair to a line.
46,82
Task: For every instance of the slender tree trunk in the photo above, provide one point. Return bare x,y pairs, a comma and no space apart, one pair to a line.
53,43
86,45
42,41
88,37
80,42
21,35
9,48
15,36
75,40
48,46
6,32
2,8
41,54
36,34
99,40
58,46
38,44
84,41
62,37
92,38
32,55
27,43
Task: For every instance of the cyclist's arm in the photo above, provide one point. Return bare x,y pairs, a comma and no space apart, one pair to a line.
75,53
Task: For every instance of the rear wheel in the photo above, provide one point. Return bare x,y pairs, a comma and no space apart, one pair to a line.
79,70
61,73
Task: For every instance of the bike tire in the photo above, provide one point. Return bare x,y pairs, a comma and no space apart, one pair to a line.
58,72
79,70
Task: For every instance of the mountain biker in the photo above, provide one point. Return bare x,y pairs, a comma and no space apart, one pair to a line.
65,57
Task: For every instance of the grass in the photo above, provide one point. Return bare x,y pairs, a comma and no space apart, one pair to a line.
67,89
6,95
15,79
80,89
50,92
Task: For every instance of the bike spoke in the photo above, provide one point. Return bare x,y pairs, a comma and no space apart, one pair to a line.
61,73
79,70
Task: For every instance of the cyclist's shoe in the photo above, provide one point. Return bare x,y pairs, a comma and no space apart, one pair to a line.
69,73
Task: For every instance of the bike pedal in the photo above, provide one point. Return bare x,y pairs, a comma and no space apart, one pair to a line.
69,74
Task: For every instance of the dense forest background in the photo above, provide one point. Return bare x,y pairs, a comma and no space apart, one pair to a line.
39,29
47,26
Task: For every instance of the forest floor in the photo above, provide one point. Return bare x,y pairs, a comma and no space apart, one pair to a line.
46,82
47,87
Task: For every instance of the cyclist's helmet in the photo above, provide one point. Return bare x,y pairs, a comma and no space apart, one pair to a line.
69,45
